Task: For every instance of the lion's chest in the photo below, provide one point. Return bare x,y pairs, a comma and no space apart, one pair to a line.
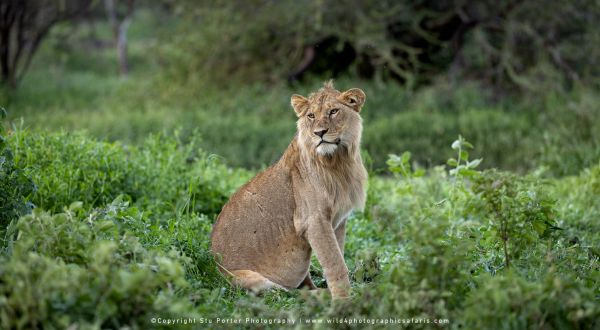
345,192
350,196
328,194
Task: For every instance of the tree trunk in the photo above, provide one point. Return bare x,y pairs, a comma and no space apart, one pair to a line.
23,26
122,46
8,13
119,28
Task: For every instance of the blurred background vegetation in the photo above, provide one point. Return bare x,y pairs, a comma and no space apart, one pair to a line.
517,78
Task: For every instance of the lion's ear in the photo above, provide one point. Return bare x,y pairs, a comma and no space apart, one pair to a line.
354,97
300,104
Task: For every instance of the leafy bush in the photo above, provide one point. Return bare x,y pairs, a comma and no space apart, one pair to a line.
162,175
67,269
519,211
129,265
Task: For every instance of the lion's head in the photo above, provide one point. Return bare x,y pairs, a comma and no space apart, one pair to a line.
329,120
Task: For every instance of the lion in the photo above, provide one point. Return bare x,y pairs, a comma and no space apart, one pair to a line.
266,232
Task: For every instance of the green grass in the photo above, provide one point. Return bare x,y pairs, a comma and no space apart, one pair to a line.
127,237
251,126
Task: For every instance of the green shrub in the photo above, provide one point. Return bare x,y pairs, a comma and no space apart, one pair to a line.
518,210
67,269
163,175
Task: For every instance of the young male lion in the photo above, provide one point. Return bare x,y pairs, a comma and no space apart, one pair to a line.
266,232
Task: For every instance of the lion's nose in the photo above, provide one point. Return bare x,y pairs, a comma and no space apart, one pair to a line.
320,133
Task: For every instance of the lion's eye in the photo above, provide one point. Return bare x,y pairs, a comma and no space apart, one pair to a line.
311,115
333,111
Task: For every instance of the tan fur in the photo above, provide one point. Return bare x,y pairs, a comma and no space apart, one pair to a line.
267,231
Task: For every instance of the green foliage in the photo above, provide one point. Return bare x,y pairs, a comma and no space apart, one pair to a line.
571,135
535,47
555,301
67,269
15,186
532,45
401,165
251,127
109,263
161,174
461,166
519,210
430,244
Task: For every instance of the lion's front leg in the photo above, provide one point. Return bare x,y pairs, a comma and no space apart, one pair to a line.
323,241
340,236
